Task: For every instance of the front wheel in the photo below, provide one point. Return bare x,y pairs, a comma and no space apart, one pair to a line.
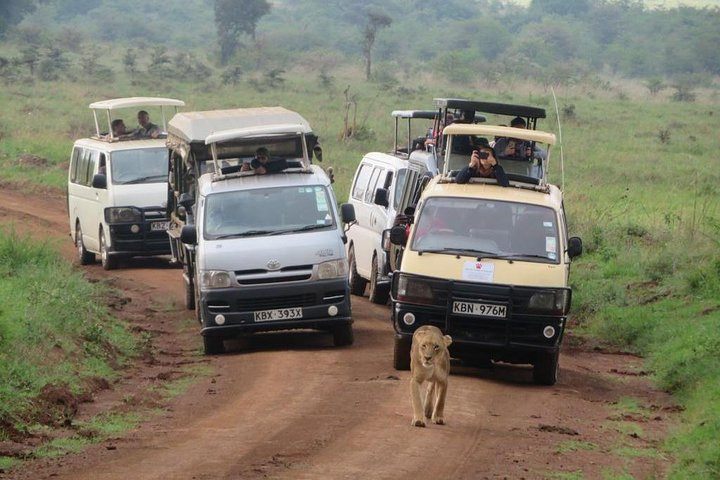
545,368
401,354
189,295
357,283
213,345
108,261
379,294
343,335
85,257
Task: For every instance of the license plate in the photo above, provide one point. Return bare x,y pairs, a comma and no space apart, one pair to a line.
480,309
155,226
278,314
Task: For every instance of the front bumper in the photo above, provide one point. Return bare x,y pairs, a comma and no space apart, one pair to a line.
149,239
238,306
516,338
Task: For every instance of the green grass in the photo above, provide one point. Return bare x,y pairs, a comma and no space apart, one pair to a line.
52,333
575,446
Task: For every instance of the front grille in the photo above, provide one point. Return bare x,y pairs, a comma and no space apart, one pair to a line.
259,276
269,303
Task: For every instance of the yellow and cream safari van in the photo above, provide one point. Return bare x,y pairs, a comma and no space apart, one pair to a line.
488,264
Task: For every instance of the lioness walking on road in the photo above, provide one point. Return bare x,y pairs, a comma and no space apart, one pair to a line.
429,362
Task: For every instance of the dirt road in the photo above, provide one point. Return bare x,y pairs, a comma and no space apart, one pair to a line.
293,406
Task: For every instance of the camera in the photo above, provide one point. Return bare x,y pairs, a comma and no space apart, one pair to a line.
483,155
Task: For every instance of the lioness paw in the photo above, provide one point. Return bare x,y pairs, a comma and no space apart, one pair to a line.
417,423
439,420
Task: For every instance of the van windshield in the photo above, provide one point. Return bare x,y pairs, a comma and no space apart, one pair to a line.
268,211
142,165
488,229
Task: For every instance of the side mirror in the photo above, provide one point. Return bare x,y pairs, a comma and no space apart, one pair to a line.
347,212
574,247
381,197
398,236
99,181
188,235
186,200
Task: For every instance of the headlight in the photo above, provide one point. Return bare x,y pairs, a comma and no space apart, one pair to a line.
414,290
556,302
333,269
215,279
123,215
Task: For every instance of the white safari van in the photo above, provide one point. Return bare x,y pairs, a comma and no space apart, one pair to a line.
381,190
488,264
117,188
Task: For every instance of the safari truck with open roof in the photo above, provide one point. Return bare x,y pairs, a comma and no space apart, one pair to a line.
260,251
117,186
488,264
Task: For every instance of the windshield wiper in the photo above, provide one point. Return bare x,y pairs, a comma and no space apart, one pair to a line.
248,233
300,229
143,179
462,251
527,255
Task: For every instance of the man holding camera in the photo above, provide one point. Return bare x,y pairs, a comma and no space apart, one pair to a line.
483,163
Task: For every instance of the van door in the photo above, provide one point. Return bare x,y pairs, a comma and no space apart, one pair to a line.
82,202
364,247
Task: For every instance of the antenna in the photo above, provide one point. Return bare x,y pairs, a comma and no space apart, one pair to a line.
562,158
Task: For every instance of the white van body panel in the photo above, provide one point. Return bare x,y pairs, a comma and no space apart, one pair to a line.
365,235
86,204
253,253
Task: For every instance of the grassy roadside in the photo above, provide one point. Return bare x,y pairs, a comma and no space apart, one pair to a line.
641,190
58,341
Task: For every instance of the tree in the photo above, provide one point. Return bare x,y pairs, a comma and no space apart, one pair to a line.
12,11
376,20
234,17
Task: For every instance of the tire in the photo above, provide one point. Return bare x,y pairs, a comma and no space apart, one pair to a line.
545,368
343,336
357,283
213,345
108,261
85,257
198,306
379,294
401,354
189,295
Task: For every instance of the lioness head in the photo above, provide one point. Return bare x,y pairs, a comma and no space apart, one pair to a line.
430,343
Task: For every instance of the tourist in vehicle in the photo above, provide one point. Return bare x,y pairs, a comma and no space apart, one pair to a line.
513,147
262,163
483,163
118,128
146,128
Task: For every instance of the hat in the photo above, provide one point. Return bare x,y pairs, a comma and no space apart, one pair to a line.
518,121
483,142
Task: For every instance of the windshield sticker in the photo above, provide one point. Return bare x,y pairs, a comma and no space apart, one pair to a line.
547,224
552,256
479,272
550,244
321,201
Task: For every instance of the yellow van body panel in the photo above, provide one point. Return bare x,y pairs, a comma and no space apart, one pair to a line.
493,271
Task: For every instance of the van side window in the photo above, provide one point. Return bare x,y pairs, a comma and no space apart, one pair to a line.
92,161
358,191
372,185
74,164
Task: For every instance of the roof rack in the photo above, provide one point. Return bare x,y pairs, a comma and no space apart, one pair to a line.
130,102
